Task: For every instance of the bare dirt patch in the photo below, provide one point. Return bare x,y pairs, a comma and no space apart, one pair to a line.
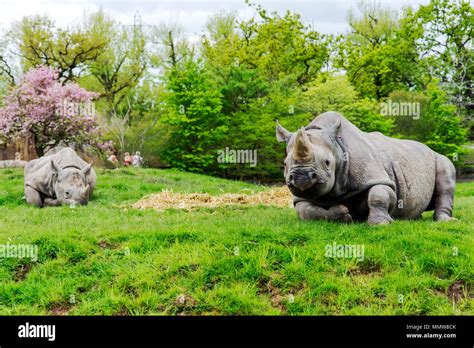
60,308
458,291
60,311
184,304
279,197
277,299
365,268
122,312
21,271
184,301
104,244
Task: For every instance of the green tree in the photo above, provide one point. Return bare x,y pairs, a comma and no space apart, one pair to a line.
196,126
146,133
260,68
379,54
447,47
337,94
279,46
438,126
7,69
116,72
69,50
169,47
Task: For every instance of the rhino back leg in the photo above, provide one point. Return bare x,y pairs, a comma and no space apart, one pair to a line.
92,180
443,195
33,197
381,201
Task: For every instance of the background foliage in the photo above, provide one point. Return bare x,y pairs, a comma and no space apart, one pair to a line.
180,102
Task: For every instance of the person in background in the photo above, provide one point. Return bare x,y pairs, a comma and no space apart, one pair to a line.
113,159
137,160
127,161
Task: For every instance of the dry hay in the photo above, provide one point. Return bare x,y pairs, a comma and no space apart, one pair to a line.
279,197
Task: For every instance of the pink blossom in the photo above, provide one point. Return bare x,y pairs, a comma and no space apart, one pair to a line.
41,105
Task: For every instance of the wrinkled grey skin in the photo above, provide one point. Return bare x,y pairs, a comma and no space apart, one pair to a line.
337,172
62,178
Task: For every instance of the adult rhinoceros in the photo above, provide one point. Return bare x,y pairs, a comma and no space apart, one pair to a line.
337,172
60,178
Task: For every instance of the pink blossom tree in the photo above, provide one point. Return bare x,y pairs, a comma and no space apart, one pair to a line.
41,107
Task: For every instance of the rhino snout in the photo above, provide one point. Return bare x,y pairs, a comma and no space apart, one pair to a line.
304,179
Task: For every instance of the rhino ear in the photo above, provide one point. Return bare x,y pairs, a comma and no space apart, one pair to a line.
55,167
333,129
281,133
85,193
302,150
87,169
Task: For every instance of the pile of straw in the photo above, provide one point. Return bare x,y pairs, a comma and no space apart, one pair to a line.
279,197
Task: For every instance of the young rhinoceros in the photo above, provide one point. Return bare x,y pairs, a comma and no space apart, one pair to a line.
337,172
61,178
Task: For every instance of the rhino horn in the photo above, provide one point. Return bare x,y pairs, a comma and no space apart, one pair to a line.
302,149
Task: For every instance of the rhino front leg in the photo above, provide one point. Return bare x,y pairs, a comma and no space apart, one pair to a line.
381,200
309,211
51,202
33,197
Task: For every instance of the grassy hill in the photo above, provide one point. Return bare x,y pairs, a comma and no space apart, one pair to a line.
108,258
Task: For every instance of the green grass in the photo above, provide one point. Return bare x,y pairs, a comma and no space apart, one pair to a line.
110,259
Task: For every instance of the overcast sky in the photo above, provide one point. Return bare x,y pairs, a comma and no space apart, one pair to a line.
327,16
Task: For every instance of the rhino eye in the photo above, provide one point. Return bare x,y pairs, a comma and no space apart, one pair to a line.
327,162
67,193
